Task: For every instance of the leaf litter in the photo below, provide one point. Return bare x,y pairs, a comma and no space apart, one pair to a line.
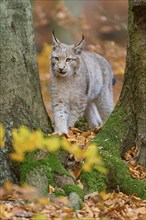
23,202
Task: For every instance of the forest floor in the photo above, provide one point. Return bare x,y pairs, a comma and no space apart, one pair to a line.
23,203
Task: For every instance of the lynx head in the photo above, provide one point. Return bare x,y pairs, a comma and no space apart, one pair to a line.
65,58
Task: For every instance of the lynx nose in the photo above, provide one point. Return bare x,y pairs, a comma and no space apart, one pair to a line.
61,69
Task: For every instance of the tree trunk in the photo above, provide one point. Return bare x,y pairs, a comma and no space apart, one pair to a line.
127,125
20,95
21,103
21,100
133,97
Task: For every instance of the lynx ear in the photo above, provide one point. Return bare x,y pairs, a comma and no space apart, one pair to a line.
56,42
79,46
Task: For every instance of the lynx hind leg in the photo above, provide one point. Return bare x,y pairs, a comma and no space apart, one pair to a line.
105,104
77,111
92,115
72,119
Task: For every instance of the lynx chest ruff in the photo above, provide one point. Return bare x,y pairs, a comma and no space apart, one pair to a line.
81,85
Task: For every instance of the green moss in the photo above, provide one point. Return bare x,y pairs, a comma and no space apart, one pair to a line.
82,124
111,140
51,166
110,143
73,188
48,162
93,181
111,136
60,193
120,177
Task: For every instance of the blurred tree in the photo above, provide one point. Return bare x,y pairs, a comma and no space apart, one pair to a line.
20,94
67,18
64,18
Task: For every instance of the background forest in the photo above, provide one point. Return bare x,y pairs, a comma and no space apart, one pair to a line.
103,23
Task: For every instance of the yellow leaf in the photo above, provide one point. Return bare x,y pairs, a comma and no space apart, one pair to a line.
17,157
76,151
2,134
36,138
43,201
23,132
8,186
52,143
101,169
39,216
91,151
26,141
104,195
66,145
86,167
51,189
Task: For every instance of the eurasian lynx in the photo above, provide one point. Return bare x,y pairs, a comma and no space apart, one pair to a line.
81,85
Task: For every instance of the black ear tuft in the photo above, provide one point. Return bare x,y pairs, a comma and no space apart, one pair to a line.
80,42
56,42
54,37
79,46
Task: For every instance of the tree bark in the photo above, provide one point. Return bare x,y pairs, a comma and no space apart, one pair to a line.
20,94
133,96
21,100
127,124
21,103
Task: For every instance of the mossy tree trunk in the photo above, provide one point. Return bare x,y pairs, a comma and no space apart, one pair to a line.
127,125
21,103
20,95
133,96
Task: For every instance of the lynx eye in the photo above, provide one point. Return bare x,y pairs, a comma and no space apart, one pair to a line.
56,58
68,59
